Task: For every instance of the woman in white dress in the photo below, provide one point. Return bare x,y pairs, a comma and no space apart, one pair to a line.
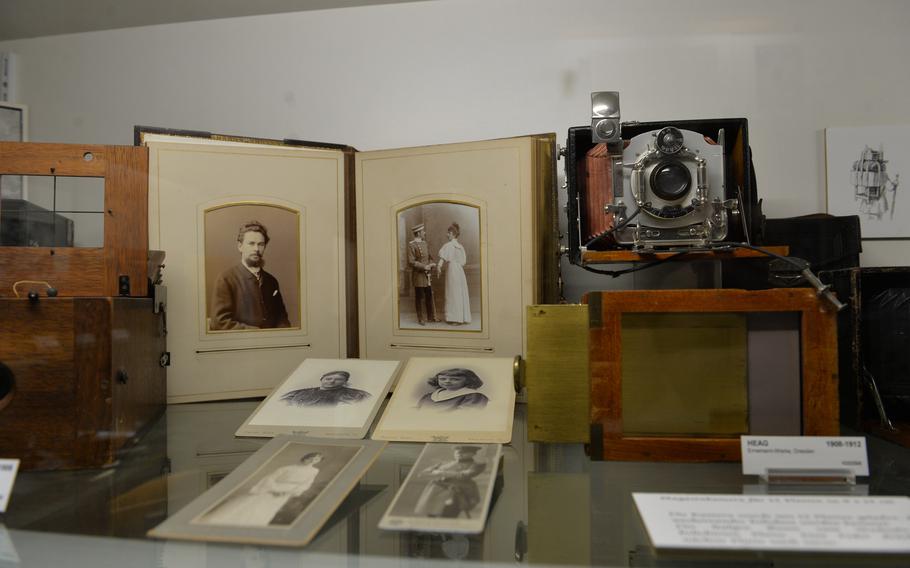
259,505
452,256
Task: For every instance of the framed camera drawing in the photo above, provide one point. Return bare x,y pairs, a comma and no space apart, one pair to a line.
680,375
332,398
282,495
453,241
864,166
256,260
451,399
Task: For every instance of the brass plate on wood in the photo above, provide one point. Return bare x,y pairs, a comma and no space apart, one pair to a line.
557,374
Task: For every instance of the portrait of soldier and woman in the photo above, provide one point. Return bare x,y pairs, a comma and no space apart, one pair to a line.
441,246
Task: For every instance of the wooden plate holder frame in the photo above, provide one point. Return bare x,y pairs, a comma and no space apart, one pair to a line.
818,348
86,271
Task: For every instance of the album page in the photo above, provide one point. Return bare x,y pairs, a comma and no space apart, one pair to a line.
254,236
450,246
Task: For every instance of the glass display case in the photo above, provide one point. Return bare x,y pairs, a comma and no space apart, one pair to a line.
554,507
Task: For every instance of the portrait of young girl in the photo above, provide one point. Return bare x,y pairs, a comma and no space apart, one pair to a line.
454,389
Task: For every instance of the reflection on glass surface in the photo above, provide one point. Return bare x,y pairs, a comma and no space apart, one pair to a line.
577,512
51,211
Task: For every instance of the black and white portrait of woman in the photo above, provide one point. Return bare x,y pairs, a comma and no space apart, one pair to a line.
451,399
454,389
259,505
333,390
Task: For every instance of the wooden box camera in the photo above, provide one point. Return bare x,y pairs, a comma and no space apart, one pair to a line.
80,340
79,378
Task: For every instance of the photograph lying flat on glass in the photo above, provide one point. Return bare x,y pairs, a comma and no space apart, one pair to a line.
335,398
448,490
252,268
281,495
451,399
439,267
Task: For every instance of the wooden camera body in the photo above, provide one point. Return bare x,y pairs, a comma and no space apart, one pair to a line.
80,341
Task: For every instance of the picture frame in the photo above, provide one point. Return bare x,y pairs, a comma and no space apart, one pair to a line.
13,122
440,279
203,190
448,490
863,167
281,496
816,381
511,262
332,398
451,399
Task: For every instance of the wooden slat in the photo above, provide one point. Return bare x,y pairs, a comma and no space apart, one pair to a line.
611,256
73,271
39,159
126,220
93,444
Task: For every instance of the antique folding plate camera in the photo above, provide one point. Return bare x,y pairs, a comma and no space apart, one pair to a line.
644,186
679,375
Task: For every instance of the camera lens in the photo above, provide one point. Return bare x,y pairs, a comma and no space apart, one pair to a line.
670,180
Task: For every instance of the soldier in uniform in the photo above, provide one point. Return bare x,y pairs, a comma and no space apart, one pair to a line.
421,263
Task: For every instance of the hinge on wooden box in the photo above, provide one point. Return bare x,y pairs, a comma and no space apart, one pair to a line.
123,285
165,359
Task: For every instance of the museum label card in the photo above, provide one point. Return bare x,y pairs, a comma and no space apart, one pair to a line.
761,453
448,490
8,469
324,398
451,399
7,549
786,522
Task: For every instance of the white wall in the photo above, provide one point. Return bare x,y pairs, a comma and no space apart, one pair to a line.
453,70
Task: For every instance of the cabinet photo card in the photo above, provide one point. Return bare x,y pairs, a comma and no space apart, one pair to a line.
282,495
440,271
252,268
451,399
448,490
335,398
